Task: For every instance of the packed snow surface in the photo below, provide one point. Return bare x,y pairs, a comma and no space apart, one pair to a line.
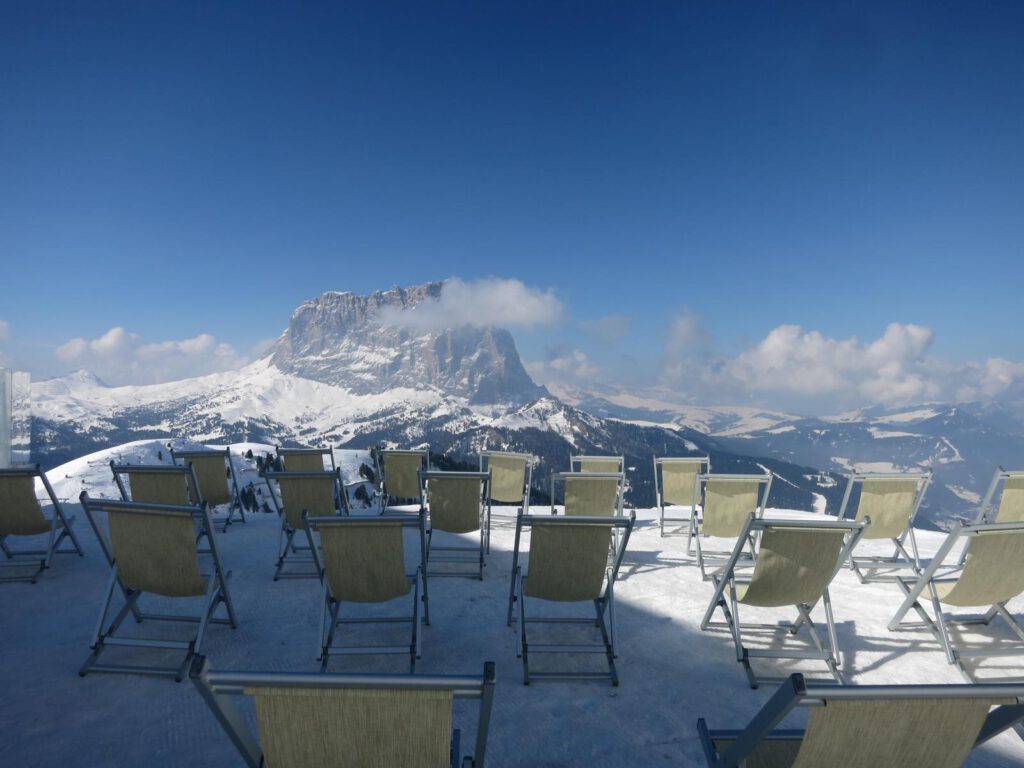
671,673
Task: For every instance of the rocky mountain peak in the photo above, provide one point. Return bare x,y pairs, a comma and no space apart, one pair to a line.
368,345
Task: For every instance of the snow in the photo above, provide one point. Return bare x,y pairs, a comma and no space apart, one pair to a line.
882,434
671,673
907,416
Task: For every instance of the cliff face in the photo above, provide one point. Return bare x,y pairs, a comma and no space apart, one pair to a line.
361,343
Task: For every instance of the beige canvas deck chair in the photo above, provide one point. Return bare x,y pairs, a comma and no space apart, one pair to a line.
218,481
881,726
152,550
676,486
891,501
362,560
316,494
455,503
795,562
348,721
158,484
306,459
21,514
729,501
1010,508
567,562
596,464
992,575
400,475
588,493
511,477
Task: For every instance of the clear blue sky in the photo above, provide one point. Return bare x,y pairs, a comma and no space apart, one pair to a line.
186,167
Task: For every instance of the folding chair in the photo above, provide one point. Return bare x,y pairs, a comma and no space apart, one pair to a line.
157,483
455,504
306,459
400,475
676,486
218,481
588,493
729,501
314,493
350,721
511,477
596,464
992,575
568,563
795,562
891,501
21,514
152,549
882,726
362,560
1011,501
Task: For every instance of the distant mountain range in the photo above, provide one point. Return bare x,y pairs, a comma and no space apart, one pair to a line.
355,371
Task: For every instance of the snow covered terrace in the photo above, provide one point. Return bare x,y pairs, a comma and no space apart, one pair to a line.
671,673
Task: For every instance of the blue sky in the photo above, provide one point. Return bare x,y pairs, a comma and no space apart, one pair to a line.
683,178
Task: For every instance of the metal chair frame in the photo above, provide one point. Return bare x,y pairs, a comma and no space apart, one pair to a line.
218,689
703,467
827,650
60,529
603,604
105,634
715,557
866,566
287,547
330,618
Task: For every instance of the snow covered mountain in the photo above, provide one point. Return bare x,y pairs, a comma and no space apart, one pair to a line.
354,371
963,443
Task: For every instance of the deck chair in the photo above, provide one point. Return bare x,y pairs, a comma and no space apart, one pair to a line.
596,464
400,475
676,486
314,493
21,514
891,500
796,561
881,726
362,560
588,493
158,484
151,549
511,477
349,721
729,501
568,563
992,575
218,481
1011,501
306,459
455,504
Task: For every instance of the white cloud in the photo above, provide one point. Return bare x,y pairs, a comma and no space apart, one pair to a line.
794,367
563,365
5,330
492,301
121,357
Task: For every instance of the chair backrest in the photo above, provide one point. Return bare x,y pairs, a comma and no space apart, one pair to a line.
596,463
589,493
994,569
1011,501
568,558
862,726
305,459
455,500
401,473
363,558
794,564
153,545
676,484
156,484
315,493
212,473
20,511
509,475
890,500
730,500
369,721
